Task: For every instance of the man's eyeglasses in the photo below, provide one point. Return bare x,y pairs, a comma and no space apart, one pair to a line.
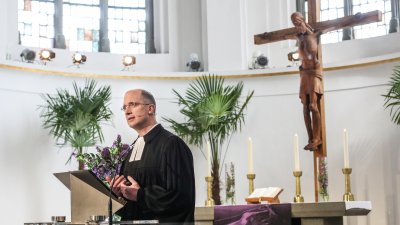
132,105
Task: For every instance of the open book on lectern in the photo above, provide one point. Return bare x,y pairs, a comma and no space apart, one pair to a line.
89,195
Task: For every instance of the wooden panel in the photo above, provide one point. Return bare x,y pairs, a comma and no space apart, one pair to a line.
204,216
322,221
325,209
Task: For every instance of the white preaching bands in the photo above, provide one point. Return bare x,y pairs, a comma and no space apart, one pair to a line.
138,148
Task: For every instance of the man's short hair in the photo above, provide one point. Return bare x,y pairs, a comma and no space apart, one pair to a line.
148,97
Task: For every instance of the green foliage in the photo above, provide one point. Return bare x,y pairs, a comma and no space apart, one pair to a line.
213,112
210,110
392,98
75,119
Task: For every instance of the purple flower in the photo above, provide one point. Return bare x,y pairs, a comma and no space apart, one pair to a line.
125,147
99,171
105,153
108,160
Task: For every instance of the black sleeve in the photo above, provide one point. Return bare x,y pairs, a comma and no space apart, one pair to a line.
177,192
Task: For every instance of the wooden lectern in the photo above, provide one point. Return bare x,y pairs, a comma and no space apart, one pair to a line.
89,195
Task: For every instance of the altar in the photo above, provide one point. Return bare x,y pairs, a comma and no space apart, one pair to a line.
321,213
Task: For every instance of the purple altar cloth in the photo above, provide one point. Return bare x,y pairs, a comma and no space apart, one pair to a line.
269,214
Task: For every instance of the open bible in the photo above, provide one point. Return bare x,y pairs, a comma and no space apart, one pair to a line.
269,194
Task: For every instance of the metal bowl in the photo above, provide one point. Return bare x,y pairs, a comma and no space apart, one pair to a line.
97,218
58,218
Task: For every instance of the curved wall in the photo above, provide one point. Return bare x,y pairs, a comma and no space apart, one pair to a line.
352,100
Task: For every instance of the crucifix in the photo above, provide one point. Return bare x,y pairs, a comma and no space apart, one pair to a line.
311,91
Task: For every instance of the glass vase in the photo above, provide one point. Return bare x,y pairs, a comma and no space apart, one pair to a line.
230,184
323,179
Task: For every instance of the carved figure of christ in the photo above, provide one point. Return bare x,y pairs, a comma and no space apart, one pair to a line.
311,79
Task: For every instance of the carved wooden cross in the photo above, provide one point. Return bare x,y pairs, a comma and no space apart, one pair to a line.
316,28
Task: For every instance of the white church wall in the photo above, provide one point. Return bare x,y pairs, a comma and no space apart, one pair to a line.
189,32
3,44
225,35
8,27
273,16
353,100
362,48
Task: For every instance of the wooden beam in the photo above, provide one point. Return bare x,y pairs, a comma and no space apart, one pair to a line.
349,21
274,36
343,22
313,11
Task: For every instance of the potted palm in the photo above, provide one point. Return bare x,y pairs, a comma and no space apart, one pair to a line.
74,119
392,98
212,112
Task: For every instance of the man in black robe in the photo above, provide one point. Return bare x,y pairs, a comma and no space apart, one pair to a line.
157,177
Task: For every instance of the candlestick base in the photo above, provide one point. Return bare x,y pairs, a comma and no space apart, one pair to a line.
298,197
209,201
348,196
251,177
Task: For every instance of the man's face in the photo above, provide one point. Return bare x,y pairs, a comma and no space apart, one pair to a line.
137,110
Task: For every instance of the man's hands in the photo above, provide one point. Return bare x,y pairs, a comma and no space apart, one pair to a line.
129,191
123,188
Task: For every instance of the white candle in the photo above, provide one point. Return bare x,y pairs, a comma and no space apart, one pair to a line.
346,149
208,159
296,153
250,156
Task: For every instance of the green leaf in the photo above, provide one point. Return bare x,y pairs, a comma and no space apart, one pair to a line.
212,111
392,98
74,118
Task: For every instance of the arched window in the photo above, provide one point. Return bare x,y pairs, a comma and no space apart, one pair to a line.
36,23
81,25
372,29
330,10
127,25
124,26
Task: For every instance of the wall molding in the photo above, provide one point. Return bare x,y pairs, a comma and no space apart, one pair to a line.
194,75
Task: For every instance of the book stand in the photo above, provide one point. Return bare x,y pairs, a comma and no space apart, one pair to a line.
89,195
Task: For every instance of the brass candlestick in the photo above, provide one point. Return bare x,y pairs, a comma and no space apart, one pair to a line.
210,200
298,198
348,196
251,177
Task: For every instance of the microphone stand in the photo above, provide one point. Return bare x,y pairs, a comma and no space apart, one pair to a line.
110,214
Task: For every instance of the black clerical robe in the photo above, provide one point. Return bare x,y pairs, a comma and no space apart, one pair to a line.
166,176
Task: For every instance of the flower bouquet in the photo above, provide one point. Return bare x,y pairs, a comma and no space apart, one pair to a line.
107,161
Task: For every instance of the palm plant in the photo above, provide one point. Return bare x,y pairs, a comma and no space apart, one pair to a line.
212,112
392,98
74,119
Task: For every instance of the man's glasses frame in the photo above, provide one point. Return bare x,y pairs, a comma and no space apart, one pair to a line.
132,105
